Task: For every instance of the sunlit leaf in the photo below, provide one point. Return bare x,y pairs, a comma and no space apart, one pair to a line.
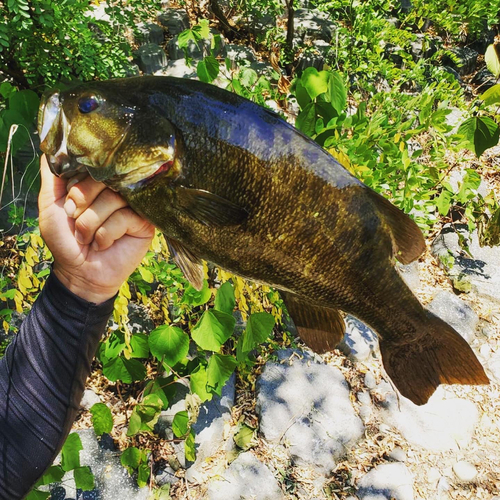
208,69
213,329
190,447
198,383
126,370
315,82
481,133
84,479
492,95
180,424
220,368
224,298
102,419
169,343
492,59
70,453
337,92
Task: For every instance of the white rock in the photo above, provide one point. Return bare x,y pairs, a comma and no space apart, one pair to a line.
89,399
465,471
307,404
370,381
359,340
456,313
387,481
438,426
494,366
246,478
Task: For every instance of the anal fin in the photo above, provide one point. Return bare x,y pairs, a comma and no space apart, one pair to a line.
189,264
320,328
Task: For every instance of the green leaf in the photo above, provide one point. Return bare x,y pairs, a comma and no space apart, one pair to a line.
70,453
205,29
492,95
140,345
54,474
126,370
143,473
248,77
157,386
7,89
306,120
198,383
259,327
145,415
220,368
213,329
481,133
195,297
492,59
208,69
169,343
84,479
244,438
301,94
180,424
190,447
315,82
102,419
337,92
131,457
38,495
146,274
26,103
443,201
224,299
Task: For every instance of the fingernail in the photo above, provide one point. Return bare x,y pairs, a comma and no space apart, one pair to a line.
71,183
70,207
95,246
79,238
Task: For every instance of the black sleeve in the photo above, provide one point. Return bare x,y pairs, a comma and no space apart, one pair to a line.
42,378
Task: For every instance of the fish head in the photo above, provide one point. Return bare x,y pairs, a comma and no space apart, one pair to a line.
119,141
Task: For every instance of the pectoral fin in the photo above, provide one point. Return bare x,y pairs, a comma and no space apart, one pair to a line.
320,328
208,208
189,264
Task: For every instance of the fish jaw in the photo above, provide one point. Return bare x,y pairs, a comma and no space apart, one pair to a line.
54,129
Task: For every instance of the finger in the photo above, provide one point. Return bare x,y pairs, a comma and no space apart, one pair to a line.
52,189
75,179
81,195
106,203
120,223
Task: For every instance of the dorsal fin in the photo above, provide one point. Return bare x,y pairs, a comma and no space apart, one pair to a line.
320,328
408,240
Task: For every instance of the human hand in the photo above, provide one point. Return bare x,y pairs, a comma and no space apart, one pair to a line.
97,241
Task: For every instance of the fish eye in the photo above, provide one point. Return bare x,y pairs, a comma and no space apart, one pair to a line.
88,104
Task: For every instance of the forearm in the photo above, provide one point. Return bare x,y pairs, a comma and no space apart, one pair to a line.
42,379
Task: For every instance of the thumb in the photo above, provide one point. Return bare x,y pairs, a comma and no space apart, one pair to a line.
53,188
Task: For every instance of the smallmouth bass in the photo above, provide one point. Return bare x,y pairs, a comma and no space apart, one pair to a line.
232,183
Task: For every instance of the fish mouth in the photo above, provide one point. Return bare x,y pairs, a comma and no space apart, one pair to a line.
54,129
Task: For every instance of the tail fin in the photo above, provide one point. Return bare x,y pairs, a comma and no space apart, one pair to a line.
440,356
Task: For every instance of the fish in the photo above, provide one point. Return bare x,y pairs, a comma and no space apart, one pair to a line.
232,183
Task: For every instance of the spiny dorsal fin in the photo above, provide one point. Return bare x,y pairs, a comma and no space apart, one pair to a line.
208,208
320,328
408,240
189,264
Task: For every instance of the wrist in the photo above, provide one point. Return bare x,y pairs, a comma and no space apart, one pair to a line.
82,288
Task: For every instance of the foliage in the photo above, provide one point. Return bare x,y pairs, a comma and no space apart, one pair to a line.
43,42
70,461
